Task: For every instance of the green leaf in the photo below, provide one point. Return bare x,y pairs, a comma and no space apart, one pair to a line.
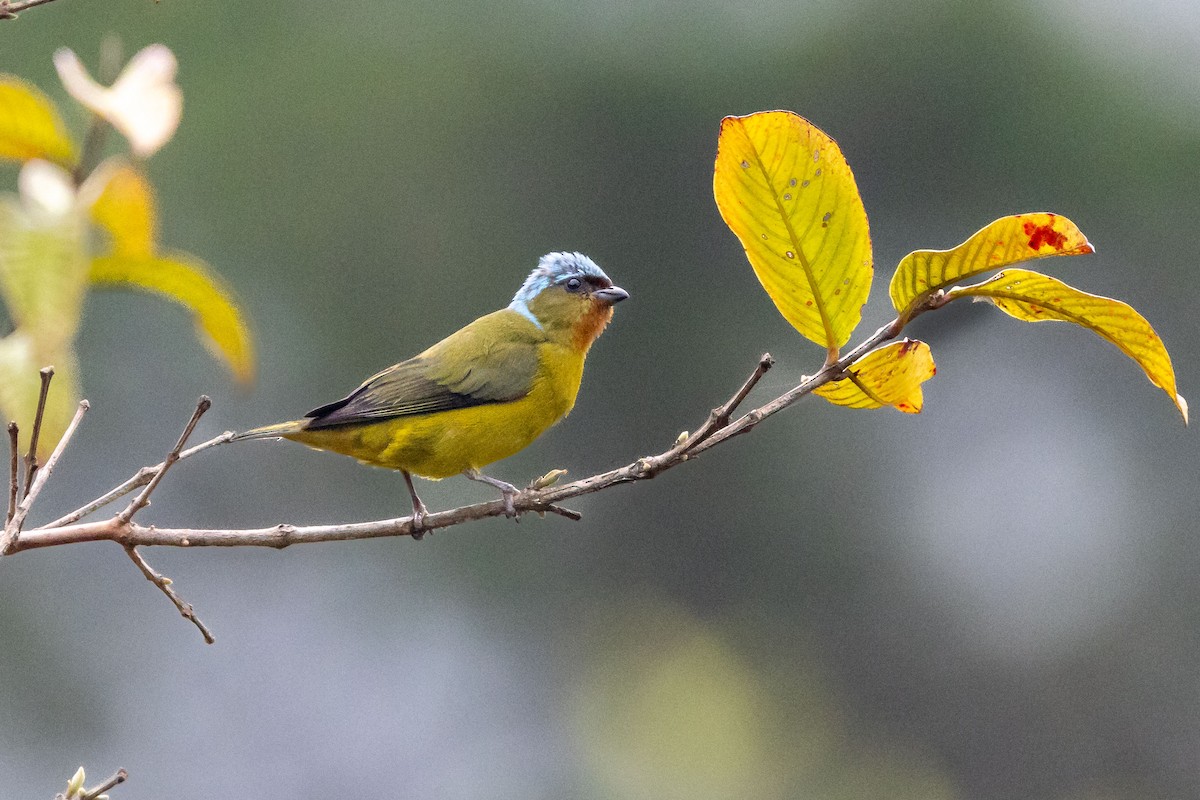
887,376
784,188
1006,241
1033,297
43,271
189,283
30,126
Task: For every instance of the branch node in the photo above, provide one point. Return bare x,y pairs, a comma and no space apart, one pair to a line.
164,584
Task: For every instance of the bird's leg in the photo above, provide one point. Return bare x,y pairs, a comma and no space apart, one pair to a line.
507,489
419,509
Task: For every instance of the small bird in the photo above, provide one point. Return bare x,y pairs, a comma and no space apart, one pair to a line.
477,396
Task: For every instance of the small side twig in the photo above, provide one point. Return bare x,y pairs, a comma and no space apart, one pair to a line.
12,530
31,463
139,479
143,499
164,584
120,776
14,471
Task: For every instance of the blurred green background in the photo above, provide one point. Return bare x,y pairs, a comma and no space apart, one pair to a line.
994,599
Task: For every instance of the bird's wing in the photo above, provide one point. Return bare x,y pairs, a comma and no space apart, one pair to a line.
492,360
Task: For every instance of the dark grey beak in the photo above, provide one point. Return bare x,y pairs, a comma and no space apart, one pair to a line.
613,294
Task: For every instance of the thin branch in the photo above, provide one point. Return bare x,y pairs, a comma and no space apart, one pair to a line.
9,10
715,430
143,499
13,472
31,464
120,776
12,530
140,479
164,583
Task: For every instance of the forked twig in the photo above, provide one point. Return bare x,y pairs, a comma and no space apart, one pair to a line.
164,583
12,530
143,499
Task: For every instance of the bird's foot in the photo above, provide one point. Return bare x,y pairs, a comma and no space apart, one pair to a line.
418,521
507,490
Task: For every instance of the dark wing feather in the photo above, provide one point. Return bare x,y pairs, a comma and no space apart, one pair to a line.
492,360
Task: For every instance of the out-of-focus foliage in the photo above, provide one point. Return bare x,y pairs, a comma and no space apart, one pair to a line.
887,376
47,259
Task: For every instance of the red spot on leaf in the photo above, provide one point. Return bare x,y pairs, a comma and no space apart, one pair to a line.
1045,236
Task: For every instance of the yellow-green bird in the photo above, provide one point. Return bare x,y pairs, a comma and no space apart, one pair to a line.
479,395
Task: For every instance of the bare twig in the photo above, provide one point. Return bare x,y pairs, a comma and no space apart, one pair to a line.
141,478
9,10
715,430
12,530
120,776
164,583
31,464
143,499
14,471
539,499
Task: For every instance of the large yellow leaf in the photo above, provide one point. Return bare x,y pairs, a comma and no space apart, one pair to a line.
125,209
189,283
30,126
1008,240
785,189
1033,297
888,376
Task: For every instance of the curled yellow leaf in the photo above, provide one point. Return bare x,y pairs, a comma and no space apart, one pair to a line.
1033,297
784,188
190,284
30,126
125,209
888,376
1002,243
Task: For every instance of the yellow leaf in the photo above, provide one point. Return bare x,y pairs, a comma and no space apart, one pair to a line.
889,376
125,209
43,270
20,385
785,189
190,284
1006,241
1033,297
30,126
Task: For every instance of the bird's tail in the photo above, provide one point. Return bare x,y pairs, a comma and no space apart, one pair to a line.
271,431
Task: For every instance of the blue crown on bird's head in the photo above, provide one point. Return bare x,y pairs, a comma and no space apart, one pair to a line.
554,268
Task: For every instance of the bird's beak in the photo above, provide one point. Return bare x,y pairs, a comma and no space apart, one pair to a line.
613,294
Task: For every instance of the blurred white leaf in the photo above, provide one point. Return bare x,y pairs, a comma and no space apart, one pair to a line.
144,103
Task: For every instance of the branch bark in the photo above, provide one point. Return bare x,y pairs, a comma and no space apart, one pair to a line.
720,426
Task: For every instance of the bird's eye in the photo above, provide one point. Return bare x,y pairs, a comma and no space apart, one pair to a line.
573,285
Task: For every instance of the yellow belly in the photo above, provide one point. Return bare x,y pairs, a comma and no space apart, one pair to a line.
446,443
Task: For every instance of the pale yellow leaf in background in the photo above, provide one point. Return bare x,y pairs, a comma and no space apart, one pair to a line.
1006,241
30,126
125,209
888,376
189,283
1033,297
43,270
144,103
785,189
